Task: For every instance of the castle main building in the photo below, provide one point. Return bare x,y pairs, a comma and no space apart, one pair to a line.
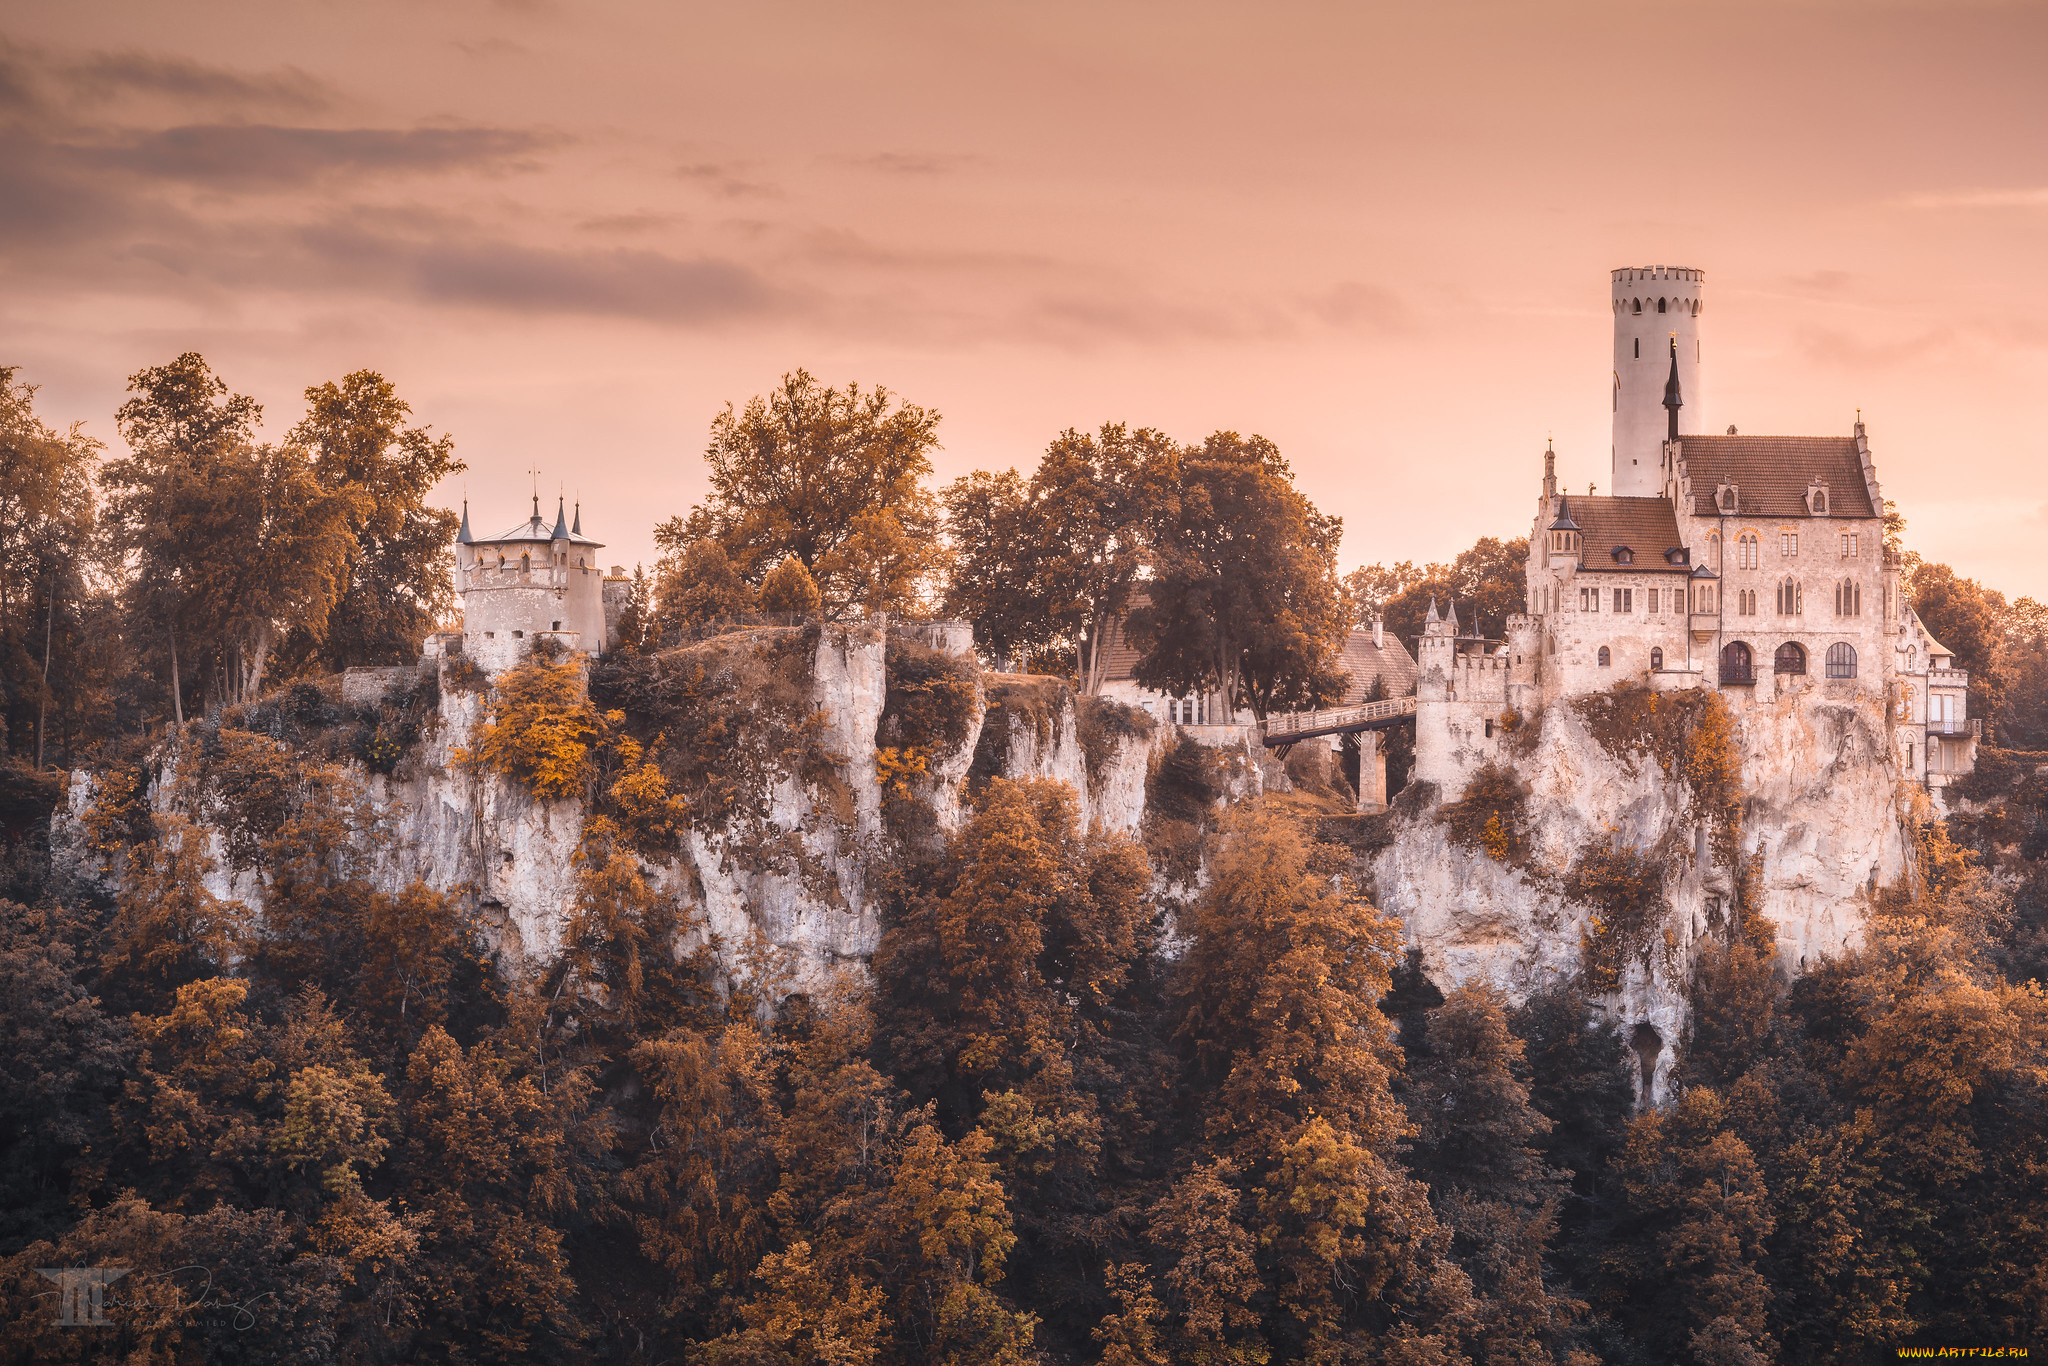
1756,565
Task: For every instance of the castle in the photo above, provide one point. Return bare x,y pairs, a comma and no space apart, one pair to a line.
534,583
1755,565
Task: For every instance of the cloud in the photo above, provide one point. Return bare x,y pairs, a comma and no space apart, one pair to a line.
726,179
915,163
1357,307
2022,198
105,75
458,267
246,155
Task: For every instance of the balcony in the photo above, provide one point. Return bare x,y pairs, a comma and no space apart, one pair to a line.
1956,725
1737,678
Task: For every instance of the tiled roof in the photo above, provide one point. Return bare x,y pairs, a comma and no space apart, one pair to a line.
1644,525
1364,662
1772,473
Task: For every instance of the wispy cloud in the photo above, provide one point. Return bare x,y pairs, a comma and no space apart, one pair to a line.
268,154
104,75
730,180
2021,198
915,163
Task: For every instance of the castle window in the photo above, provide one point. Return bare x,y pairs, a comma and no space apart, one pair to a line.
1746,547
1790,659
525,563
1841,660
1848,545
1735,663
1820,502
1788,544
1639,308
1791,601
1848,599
1656,656
1660,305
519,635
1605,658
1489,727
556,627
1639,344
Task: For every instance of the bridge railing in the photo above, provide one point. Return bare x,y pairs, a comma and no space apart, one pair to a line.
1336,718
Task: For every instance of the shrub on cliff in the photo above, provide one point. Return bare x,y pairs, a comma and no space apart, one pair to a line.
1492,816
541,730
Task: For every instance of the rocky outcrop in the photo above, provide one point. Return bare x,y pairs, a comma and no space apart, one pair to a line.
1819,816
797,875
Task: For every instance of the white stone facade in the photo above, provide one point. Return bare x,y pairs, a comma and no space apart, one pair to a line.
529,584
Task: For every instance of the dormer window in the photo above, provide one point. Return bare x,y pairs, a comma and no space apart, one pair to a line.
1817,499
1726,499
1623,555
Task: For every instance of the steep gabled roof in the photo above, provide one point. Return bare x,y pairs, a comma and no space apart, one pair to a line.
1772,473
1364,662
1643,525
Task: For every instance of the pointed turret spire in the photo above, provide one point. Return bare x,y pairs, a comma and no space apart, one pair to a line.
1564,520
561,531
1550,468
576,527
1672,399
463,537
1432,618
1451,621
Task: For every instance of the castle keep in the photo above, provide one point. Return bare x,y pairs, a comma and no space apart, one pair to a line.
1755,565
532,583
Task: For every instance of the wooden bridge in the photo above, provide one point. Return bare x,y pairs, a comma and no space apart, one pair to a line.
1285,732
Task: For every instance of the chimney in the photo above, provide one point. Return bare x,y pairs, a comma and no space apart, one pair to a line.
1379,632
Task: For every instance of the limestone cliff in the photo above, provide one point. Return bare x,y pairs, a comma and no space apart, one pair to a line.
806,819
1815,826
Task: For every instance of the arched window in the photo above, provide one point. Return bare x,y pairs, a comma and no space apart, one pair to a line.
1841,660
1848,599
1656,657
525,563
1660,305
1790,599
1746,549
1912,657
1605,658
1790,659
1639,308
1735,663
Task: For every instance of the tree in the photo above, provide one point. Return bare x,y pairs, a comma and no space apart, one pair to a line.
1968,618
1244,593
1058,559
695,586
995,581
397,578
229,545
830,476
1476,1146
788,591
1487,583
47,560
1295,1062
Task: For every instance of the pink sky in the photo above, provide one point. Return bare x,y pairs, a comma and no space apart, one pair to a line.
1381,237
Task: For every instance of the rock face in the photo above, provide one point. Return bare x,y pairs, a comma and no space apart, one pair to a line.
1820,799
1820,811
809,894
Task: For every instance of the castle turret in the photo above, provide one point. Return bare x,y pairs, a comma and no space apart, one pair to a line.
1656,339
529,583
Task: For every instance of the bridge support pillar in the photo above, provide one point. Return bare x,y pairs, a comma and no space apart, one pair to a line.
1372,773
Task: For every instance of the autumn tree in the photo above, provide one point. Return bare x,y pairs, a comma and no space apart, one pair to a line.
788,592
695,586
1477,1146
48,563
228,545
1295,1062
397,575
830,476
1058,557
1487,584
1244,593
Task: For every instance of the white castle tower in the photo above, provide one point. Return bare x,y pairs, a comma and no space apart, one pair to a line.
1653,306
533,582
